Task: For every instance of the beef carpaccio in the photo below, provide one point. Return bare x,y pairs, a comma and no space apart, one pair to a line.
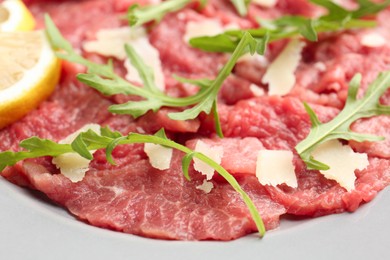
134,197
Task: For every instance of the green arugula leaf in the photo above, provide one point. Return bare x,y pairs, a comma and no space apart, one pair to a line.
111,146
137,15
108,140
209,95
161,133
202,83
81,147
65,51
338,18
94,141
41,145
145,72
106,132
186,162
335,11
136,109
241,6
217,43
339,127
110,86
38,148
103,78
303,25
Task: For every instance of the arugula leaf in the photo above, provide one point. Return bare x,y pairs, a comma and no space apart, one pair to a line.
137,15
336,12
79,145
186,161
338,18
339,127
103,78
241,6
109,140
218,43
40,147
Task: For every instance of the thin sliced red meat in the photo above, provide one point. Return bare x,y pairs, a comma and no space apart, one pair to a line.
239,155
279,123
317,196
176,55
136,198
378,126
152,122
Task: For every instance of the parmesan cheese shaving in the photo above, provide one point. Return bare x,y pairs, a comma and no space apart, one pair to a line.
72,165
159,156
280,74
276,167
343,162
265,3
320,66
256,90
206,186
110,43
213,152
373,40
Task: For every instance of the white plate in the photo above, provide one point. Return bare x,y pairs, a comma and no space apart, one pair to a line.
33,228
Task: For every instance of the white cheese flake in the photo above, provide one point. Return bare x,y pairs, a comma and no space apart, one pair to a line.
265,3
320,66
72,165
140,130
373,40
213,152
110,43
206,186
256,90
343,162
159,156
280,75
276,167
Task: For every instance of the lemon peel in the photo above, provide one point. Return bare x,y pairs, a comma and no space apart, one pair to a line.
14,16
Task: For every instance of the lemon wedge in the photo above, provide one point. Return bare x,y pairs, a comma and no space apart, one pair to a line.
14,16
29,72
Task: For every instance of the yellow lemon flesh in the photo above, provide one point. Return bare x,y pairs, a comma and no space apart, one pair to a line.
29,72
14,16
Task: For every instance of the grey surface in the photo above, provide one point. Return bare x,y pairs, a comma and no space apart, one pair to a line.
32,228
